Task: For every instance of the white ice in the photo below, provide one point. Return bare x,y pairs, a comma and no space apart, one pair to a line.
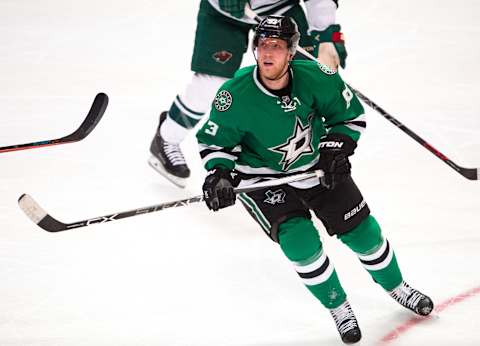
186,276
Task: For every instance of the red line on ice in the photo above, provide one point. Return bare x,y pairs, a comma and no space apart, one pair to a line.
409,324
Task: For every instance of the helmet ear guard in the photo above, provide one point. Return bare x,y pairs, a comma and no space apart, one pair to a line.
280,27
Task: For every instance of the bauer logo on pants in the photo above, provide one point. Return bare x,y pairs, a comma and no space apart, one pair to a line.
223,101
355,210
222,57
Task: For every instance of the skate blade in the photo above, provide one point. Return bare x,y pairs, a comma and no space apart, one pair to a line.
157,165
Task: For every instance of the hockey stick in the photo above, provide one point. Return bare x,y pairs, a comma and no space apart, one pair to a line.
469,173
93,117
39,216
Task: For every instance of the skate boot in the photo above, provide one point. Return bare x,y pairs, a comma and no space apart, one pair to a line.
412,299
346,323
167,158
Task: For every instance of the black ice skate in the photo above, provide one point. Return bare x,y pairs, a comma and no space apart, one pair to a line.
167,158
412,299
346,323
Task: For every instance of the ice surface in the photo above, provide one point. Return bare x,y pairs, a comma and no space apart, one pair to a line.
186,276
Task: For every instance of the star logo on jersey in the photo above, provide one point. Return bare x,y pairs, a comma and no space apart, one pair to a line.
222,56
223,101
275,197
298,144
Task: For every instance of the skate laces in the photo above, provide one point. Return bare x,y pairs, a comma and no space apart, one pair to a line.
407,296
173,153
344,318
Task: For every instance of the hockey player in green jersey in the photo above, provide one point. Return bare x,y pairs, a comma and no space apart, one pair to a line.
281,117
221,39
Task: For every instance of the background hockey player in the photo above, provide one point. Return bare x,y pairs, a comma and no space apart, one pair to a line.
282,117
221,39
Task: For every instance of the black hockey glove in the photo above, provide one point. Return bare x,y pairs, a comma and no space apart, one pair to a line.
218,188
335,148
235,7
331,34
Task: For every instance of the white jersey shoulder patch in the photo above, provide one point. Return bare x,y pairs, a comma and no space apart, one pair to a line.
325,69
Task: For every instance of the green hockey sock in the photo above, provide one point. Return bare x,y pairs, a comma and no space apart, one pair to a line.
300,242
374,252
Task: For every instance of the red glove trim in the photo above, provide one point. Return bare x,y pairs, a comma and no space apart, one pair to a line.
337,37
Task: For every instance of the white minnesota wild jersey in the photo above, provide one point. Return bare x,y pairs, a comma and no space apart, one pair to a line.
260,134
320,13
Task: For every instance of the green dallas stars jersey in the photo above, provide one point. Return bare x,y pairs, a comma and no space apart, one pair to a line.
260,134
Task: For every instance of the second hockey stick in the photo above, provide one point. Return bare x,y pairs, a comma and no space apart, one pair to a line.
44,220
93,117
469,173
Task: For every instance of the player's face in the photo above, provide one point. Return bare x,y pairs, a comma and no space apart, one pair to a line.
273,57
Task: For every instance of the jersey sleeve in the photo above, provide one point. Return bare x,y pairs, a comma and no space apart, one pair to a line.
343,112
219,137
320,13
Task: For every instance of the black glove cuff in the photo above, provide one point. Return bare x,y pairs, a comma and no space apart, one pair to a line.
225,173
338,142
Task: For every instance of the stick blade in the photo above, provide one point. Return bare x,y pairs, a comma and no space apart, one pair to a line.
94,115
38,215
469,173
